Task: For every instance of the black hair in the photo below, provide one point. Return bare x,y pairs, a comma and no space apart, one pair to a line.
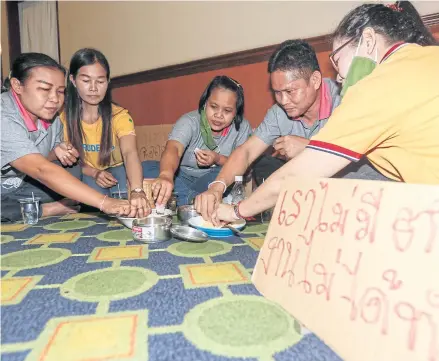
73,105
24,63
397,22
294,55
225,82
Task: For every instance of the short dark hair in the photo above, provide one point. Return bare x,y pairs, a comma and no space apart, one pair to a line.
294,55
225,82
397,22
24,63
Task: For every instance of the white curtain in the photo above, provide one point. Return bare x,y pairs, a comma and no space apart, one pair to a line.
39,27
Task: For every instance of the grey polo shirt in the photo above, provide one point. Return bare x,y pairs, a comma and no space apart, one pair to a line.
187,132
17,141
277,124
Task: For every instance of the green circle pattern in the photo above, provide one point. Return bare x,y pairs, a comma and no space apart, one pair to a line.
5,238
209,248
240,326
257,228
109,284
69,225
116,235
33,258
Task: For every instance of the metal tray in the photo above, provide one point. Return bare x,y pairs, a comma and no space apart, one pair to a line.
189,234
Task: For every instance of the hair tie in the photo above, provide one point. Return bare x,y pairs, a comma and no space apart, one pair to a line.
236,83
394,7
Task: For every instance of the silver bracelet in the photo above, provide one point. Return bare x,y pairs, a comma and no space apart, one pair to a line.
218,181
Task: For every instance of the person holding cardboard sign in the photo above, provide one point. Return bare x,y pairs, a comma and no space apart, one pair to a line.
389,112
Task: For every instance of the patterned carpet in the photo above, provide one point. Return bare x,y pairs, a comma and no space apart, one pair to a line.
79,288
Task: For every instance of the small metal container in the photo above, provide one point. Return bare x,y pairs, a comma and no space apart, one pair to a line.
152,229
184,213
189,234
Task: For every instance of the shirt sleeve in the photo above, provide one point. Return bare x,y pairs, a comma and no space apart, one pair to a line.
15,142
365,119
244,133
183,130
268,131
124,125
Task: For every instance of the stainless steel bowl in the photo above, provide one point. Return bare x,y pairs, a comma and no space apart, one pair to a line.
152,229
184,213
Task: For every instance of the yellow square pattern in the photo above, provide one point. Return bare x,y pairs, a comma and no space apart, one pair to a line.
103,254
255,243
55,238
17,227
15,289
112,337
205,275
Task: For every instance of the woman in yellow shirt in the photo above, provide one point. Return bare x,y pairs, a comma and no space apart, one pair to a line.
389,112
102,132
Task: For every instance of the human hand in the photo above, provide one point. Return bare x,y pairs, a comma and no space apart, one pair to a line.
206,202
162,189
105,179
66,154
140,203
206,158
289,146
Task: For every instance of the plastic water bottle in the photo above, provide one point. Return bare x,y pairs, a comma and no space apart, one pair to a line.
238,191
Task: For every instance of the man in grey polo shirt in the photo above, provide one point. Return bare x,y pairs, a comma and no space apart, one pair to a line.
16,185
305,101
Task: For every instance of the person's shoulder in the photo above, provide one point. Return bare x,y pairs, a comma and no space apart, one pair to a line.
9,112
277,113
118,112
191,118
245,124
8,104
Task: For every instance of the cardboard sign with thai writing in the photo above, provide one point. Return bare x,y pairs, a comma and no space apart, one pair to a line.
357,262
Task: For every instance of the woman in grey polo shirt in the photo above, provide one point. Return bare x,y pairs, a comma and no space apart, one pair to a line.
31,141
200,143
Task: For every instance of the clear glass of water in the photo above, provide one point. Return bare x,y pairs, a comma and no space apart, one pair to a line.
30,209
119,195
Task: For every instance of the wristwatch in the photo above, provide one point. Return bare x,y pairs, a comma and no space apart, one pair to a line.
137,190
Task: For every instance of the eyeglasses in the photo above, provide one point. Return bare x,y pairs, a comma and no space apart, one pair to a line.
331,56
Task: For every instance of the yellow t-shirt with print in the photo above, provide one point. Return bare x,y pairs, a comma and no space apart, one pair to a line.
122,124
391,117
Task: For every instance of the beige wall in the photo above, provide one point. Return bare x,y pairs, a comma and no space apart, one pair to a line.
145,35
5,42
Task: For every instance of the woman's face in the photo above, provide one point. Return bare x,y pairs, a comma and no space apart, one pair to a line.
91,83
342,58
221,109
42,93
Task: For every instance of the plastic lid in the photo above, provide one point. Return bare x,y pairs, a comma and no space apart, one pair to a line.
238,178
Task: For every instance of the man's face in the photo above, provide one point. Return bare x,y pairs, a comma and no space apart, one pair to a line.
293,93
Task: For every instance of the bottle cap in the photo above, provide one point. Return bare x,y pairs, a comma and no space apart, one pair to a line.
238,178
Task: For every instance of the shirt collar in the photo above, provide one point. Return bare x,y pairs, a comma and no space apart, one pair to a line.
30,124
325,101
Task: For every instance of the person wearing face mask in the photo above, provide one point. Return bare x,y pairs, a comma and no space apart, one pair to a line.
304,102
200,143
31,142
102,133
389,112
